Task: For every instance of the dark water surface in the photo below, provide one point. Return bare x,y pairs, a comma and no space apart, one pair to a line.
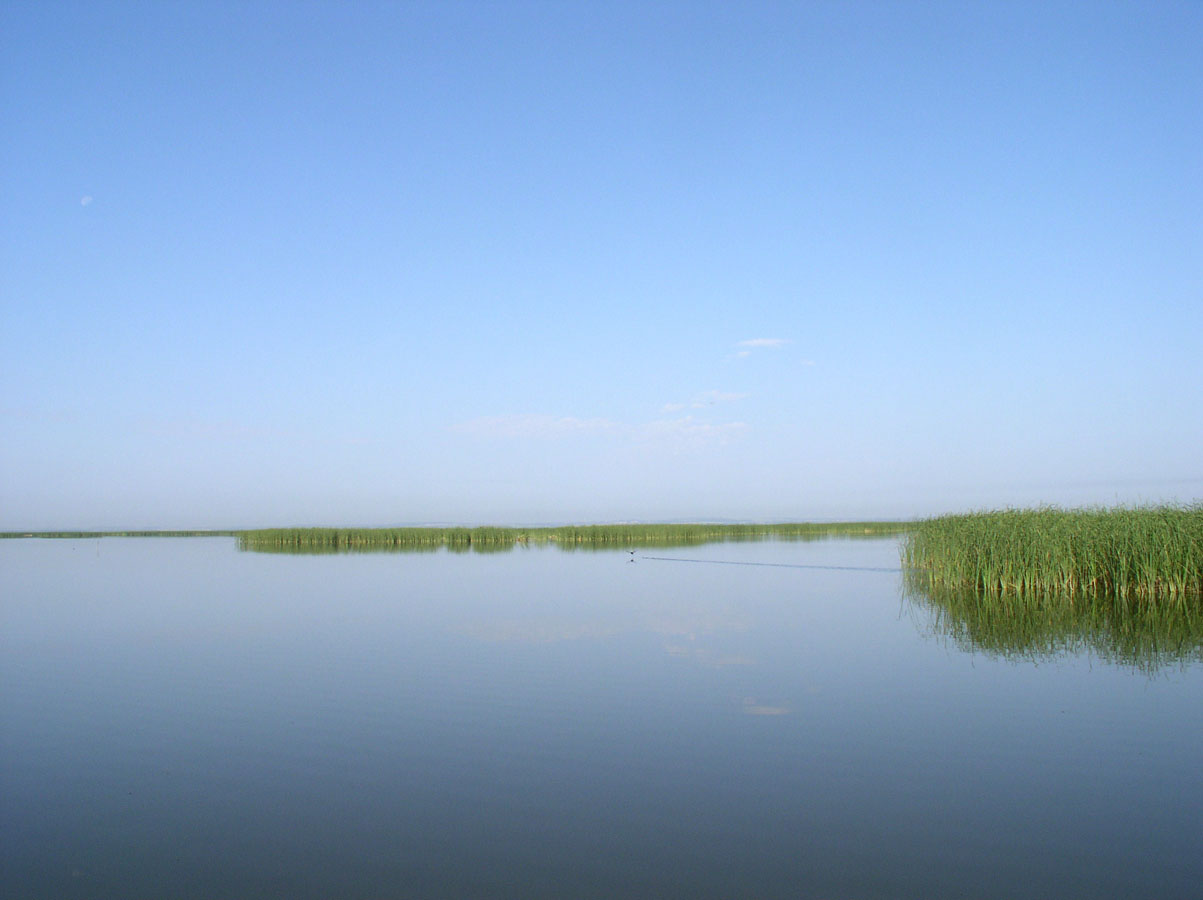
178,719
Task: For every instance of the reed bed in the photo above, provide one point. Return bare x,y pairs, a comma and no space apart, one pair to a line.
1132,556
495,539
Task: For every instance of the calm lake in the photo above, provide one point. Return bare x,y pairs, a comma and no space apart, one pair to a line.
181,719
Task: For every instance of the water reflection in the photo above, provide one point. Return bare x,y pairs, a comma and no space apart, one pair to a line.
665,619
341,549
702,540
752,708
1133,635
176,713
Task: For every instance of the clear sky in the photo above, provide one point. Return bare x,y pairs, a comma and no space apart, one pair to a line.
352,263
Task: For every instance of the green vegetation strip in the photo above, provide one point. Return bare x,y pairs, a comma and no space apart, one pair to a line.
350,540
1149,555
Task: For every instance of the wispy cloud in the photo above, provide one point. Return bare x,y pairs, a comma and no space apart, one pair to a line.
85,200
745,348
702,400
687,431
709,398
764,342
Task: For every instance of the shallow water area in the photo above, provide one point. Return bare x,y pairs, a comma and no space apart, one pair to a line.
178,718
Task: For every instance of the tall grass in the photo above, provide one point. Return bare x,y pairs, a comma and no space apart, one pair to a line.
493,539
1150,555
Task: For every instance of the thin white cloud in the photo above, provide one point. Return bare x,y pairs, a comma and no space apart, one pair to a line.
702,400
764,342
85,200
746,348
687,429
709,398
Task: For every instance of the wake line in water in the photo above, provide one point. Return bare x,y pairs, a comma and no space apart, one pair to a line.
728,562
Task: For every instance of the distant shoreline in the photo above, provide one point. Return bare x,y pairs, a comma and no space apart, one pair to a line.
1020,559
425,534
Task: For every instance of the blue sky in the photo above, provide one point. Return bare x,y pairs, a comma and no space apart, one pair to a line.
310,263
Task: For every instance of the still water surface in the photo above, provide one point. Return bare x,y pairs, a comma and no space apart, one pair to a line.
181,719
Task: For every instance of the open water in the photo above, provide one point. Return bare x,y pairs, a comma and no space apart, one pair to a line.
181,719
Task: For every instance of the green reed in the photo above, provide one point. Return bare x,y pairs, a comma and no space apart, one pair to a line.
495,539
1137,556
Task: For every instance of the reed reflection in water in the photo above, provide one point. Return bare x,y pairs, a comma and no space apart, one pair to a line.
1145,637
